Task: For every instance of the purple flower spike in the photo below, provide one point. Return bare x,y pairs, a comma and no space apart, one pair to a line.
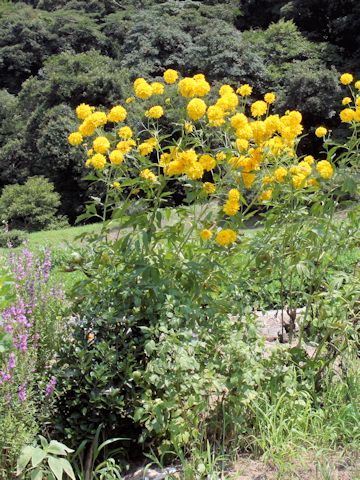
50,387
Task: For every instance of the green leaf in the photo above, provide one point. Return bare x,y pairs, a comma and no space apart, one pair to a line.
37,474
24,458
56,467
67,468
37,457
43,441
58,448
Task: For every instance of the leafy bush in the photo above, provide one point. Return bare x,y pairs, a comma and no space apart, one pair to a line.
31,206
12,238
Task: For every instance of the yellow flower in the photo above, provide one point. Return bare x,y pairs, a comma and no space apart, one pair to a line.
280,174
225,237
258,108
202,87
228,102
298,180
325,169
231,208
309,159
225,89
215,115
155,112
83,111
209,187
321,132
125,146
188,127
90,152
117,114
346,78
346,100
270,98
86,128
239,120
195,171
75,138
130,100
187,87
115,185
143,90
347,115
170,76
242,144
98,161
116,157
208,162
244,90
205,234
101,144
266,195
357,85
125,132
148,175
145,148
248,179
157,88
196,109
304,168
234,195
220,156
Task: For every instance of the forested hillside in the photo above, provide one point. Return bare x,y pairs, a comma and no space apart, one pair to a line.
55,54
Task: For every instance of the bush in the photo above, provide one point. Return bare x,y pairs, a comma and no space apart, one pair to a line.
31,206
12,238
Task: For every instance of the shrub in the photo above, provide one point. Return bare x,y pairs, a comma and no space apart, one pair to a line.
158,352
31,206
12,238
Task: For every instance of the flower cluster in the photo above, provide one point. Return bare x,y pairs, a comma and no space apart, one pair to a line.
228,148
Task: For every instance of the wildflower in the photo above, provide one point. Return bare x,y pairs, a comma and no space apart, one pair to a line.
155,112
75,138
115,185
225,89
220,156
239,120
269,98
298,180
157,88
125,132
244,90
148,175
170,76
266,195
195,171
346,78
325,169
205,234
321,132
50,387
196,109
347,115
117,114
357,85
145,148
208,187
280,174
202,87
188,127
129,100
98,161
101,145
187,87
22,392
116,157
215,116
225,237
258,108
208,162
346,100
248,179
143,90
309,159
83,111
11,361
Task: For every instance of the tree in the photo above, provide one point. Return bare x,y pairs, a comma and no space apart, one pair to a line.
31,206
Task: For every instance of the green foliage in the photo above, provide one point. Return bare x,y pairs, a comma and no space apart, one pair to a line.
31,206
47,461
12,238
